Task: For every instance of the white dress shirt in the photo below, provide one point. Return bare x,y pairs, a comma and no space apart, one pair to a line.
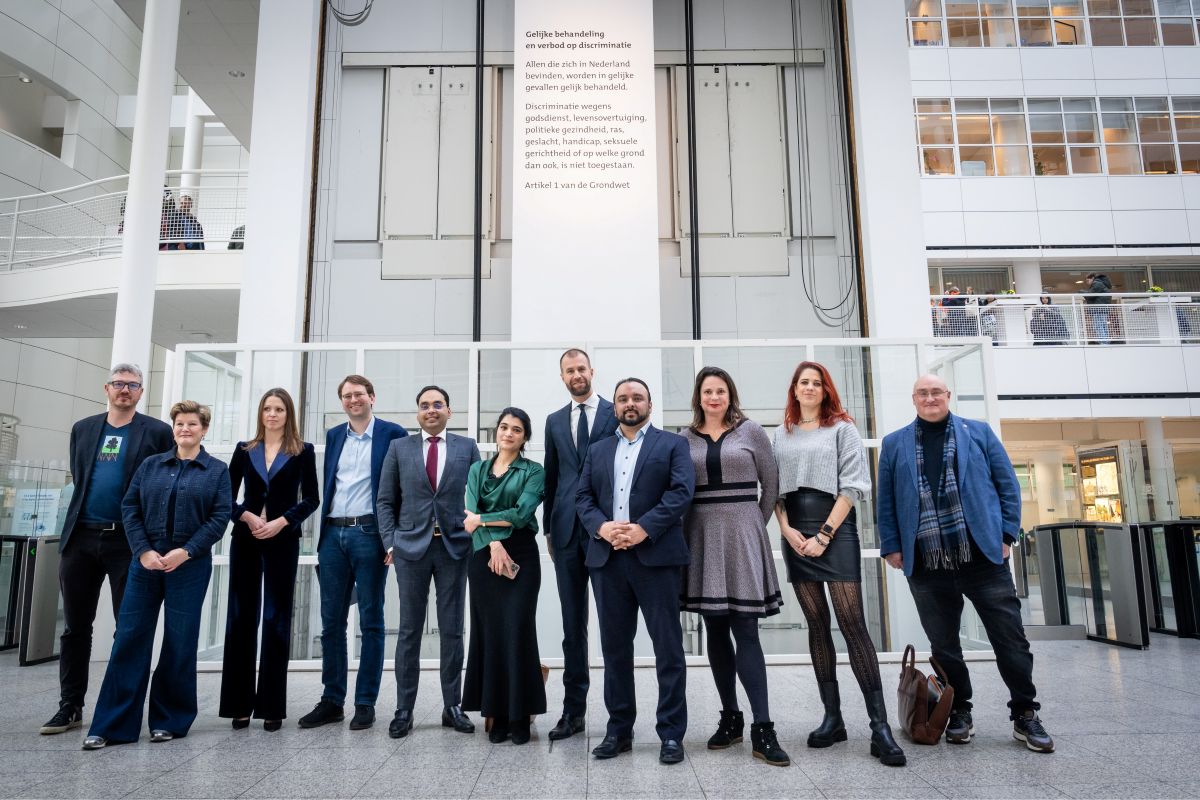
590,406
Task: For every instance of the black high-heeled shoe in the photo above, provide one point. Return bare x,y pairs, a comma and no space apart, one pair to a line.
272,725
241,724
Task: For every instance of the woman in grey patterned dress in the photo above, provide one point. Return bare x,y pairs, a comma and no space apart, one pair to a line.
822,472
731,580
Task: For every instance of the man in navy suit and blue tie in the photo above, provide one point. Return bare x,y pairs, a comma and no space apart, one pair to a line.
570,432
422,509
635,488
350,554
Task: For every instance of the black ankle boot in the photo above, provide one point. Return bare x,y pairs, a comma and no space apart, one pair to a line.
831,729
729,730
883,745
766,745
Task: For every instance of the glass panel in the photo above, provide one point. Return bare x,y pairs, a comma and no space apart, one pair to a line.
1046,128
1154,127
976,161
926,104
1036,33
1067,8
1159,159
935,129
762,376
1009,129
1123,159
1104,8
962,8
1033,8
1189,159
927,34
965,105
1049,161
1012,160
1081,128
996,8
1118,128
1107,32
999,33
1079,104
1116,104
1175,7
321,404
964,33
1178,31
974,129
1150,103
1070,32
1044,104
1141,32
215,380
924,8
979,280
1185,103
1137,8
1085,161
399,374
938,161
1006,105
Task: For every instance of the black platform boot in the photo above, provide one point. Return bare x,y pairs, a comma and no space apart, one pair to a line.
831,729
766,744
729,730
883,745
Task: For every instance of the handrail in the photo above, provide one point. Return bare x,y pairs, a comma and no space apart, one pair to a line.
124,177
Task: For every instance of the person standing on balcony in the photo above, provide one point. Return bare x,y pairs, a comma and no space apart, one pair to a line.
822,473
570,432
176,509
731,580
949,512
1095,309
279,470
191,231
1046,324
422,513
106,450
350,556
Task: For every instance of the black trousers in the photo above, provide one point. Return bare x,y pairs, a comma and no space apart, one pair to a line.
90,557
572,577
262,580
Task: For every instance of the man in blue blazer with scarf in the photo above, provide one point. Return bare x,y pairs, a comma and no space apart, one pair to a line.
350,554
635,488
949,511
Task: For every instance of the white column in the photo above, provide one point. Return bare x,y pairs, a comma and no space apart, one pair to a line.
1162,470
281,164
143,208
1027,275
889,188
193,143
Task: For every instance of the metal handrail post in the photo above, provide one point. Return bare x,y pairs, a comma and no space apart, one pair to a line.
12,239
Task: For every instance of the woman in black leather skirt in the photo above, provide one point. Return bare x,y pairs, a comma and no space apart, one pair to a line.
822,473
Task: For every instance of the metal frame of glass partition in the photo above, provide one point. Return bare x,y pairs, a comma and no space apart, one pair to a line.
1173,576
874,377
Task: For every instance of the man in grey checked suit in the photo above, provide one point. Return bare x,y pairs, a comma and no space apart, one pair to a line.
421,509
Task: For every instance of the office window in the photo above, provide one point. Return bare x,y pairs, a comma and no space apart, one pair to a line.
1058,136
1177,279
1053,23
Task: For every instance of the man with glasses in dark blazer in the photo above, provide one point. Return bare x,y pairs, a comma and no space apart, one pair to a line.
106,449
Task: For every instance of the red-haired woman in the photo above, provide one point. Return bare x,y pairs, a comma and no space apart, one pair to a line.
822,472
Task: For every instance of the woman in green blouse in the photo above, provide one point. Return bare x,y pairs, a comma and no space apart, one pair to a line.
504,675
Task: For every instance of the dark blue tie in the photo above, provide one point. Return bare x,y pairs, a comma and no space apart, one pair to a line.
581,434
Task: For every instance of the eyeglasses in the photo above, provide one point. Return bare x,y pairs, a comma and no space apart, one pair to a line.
132,386
930,394
436,405
355,396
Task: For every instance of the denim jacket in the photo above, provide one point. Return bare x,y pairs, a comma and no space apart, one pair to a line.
203,504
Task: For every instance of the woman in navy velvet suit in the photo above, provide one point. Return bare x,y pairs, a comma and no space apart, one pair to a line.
279,473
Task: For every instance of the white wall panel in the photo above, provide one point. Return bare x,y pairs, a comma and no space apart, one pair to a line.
1145,191
713,189
758,25
359,154
929,63
1076,227
1063,63
410,177
1191,190
984,63
944,228
938,194
1076,193
1001,228
456,152
756,152
1151,227
817,183
1124,63
997,194
1181,64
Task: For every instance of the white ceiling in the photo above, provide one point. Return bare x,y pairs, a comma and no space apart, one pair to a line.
180,317
215,38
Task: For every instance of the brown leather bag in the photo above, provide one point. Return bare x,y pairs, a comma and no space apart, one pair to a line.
923,702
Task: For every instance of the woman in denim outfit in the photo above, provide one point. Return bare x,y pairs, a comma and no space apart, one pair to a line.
176,509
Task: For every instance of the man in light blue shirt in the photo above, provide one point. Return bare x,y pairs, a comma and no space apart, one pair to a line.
350,555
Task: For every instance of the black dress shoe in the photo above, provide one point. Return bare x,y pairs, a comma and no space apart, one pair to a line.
453,717
241,724
272,725
567,727
364,717
499,732
671,752
612,746
324,713
401,724
520,731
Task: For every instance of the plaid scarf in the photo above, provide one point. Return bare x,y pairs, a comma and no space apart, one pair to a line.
941,526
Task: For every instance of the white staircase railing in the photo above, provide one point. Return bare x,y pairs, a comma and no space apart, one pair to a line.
87,221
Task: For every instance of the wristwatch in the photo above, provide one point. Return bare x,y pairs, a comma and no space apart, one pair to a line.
827,530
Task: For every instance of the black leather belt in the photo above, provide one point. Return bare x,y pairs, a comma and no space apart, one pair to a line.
351,522
436,530
105,527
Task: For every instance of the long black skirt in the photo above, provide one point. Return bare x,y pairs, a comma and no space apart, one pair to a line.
807,510
504,672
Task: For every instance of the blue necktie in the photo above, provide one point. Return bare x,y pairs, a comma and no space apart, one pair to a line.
581,434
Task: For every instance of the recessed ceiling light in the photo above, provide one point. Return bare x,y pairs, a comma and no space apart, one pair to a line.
20,326
236,73
23,78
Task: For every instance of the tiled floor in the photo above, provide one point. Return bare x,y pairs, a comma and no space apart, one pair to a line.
1126,724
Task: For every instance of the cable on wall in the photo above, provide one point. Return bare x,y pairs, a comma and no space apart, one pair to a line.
350,19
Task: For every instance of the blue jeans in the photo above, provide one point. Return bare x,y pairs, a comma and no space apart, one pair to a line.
939,597
118,714
349,559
